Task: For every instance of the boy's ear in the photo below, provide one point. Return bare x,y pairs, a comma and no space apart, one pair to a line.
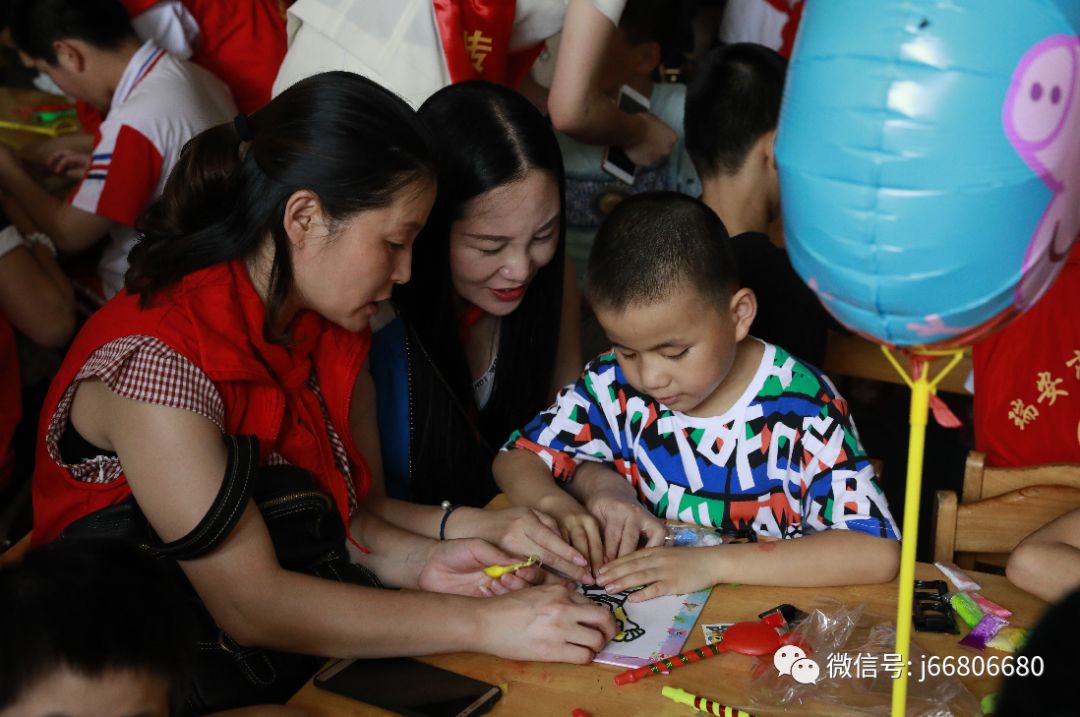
768,141
743,309
646,57
69,55
304,220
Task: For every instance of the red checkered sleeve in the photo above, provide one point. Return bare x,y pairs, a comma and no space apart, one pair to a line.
141,368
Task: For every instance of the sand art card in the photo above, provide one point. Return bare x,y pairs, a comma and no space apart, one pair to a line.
714,631
650,630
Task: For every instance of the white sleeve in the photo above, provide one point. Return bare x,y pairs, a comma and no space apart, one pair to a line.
170,26
612,9
539,20
536,21
393,42
10,239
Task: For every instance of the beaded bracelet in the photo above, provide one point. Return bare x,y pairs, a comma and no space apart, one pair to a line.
448,508
43,239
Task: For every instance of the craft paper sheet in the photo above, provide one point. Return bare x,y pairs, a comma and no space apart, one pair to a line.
650,630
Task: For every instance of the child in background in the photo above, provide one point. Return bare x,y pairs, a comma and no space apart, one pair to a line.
95,628
1047,562
155,104
631,58
732,111
702,423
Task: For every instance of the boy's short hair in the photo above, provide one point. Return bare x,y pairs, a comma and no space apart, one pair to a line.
655,242
91,606
733,99
37,24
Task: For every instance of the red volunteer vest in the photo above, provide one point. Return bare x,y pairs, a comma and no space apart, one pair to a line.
214,318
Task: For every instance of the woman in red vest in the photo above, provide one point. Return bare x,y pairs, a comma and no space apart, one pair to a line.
246,312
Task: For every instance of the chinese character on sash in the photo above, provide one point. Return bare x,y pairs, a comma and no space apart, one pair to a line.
1022,415
1049,387
479,46
1074,362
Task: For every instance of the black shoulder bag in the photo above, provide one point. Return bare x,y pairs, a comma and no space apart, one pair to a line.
308,537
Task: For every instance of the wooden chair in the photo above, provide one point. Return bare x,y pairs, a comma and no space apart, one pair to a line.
1001,507
854,356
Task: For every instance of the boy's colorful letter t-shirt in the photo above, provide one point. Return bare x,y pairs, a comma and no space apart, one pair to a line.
784,460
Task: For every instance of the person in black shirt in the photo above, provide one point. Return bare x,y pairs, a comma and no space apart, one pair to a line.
732,109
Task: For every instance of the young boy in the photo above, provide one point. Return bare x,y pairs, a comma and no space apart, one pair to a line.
732,110
90,626
631,57
96,628
155,104
704,422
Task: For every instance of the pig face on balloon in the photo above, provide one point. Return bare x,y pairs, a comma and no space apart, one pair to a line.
1041,116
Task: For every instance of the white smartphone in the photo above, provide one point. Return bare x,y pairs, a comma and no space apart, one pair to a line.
616,162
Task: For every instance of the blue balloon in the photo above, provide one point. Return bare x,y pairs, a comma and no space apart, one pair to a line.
929,161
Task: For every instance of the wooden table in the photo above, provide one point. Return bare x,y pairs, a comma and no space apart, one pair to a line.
544,689
14,98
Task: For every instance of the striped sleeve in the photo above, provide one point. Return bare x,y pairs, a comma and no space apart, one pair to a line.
122,177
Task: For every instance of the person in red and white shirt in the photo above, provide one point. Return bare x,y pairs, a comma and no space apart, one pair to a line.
154,103
240,41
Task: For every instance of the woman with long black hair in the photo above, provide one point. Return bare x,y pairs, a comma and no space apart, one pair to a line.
487,331
247,314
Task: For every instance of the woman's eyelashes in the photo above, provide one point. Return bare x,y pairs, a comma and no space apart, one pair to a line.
492,251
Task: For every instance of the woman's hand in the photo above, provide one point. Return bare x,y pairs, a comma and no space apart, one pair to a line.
524,532
457,567
664,571
624,520
548,623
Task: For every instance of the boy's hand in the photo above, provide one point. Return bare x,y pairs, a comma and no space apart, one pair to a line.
68,163
664,571
39,152
656,141
624,521
8,160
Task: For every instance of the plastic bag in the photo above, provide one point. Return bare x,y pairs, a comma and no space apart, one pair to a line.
856,662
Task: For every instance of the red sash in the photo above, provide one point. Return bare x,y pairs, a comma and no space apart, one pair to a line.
476,39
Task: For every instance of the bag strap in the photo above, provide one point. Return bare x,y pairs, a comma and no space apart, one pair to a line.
228,506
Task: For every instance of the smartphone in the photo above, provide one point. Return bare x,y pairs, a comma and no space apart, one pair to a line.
616,162
409,687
